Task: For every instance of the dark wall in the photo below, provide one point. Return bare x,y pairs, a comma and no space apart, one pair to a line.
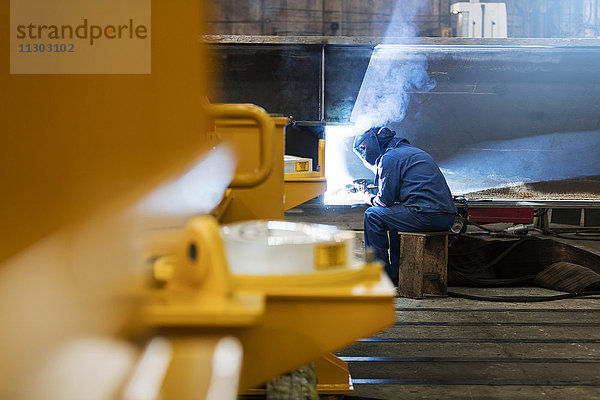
494,91
514,113
282,79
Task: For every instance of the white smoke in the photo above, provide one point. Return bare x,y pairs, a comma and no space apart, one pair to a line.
402,22
394,72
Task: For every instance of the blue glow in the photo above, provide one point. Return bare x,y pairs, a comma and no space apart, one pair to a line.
530,159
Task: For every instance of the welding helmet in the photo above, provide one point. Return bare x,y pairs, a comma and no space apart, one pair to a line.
368,145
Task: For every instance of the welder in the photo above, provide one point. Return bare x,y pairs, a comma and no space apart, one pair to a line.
412,194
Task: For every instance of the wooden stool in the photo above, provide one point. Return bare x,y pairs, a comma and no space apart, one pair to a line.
423,264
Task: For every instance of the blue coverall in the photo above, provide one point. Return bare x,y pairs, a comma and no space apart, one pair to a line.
413,196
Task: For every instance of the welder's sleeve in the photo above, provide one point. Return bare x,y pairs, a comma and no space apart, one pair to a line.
389,173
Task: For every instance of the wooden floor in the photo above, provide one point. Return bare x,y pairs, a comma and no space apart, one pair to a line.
451,348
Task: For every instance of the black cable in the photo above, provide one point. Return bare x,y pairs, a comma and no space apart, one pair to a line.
503,254
500,233
467,274
487,243
494,233
520,280
480,226
592,235
523,299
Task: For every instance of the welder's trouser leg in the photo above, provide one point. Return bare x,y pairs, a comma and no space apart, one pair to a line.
398,218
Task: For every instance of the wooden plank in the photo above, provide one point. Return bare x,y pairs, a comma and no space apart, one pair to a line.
457,391
412,250
492,373
451,302
474,332
435,263
423,264
478,350
497,310
499,317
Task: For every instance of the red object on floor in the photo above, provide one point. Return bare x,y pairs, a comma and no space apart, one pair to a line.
516,215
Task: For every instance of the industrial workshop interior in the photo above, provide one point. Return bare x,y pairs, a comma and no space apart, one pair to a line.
310,199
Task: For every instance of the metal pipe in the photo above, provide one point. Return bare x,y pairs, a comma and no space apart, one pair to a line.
482,20
322,86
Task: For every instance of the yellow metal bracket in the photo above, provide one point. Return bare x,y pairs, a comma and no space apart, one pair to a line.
267,140
198,288
282,321
303,186
221,208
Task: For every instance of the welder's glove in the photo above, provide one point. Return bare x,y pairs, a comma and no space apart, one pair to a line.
367,198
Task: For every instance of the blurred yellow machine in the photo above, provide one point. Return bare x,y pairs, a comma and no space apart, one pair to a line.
82,314
267,200
303,186
252,146
264,200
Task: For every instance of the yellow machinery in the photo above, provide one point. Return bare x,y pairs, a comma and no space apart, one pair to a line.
282,322
303,186
264,199
77,152
267,201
